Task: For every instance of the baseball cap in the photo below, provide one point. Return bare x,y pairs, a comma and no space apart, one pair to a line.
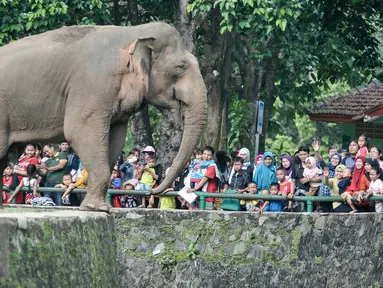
149,149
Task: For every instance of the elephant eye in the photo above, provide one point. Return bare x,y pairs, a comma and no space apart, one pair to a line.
180,68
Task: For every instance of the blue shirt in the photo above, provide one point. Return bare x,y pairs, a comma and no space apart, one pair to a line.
274,206
128,170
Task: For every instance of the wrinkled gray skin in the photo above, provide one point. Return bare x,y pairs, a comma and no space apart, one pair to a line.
84,82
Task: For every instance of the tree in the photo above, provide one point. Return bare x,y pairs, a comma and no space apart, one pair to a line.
23,18
293,48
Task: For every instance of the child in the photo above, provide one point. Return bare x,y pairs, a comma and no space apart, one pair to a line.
129,201
285,187
66,181
198,154
312,171
333,183
249,205
148,178
273,206
11,181
81,182
198,169
261,204
207,178
129,169
345,182
376,188
31,182
115,183
167,202
363,142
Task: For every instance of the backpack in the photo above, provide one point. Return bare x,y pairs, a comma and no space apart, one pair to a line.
230,204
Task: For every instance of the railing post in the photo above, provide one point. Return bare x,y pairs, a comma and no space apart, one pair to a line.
310,206
13,199
108,197
202,203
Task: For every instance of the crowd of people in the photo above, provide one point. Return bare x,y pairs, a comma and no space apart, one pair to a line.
356,172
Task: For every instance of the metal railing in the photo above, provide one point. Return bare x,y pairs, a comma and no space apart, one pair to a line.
309,200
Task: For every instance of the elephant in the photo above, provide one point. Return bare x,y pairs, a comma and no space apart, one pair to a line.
82,83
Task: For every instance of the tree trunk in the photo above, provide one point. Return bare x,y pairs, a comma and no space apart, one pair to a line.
226,69
140,124
170,131
133,12
140,127
185,24
269,98
216,66
253,77
116,13
169,140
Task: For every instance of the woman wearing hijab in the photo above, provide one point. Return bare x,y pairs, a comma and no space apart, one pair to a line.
266,172
252,168
359,184
287,164
335,160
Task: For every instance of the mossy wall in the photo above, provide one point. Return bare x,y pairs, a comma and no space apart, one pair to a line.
57,249
214,249
195,249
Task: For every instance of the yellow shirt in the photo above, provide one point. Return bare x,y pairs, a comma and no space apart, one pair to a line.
243,202
147,178
167,202
81,182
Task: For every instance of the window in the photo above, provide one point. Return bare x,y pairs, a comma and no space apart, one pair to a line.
370,129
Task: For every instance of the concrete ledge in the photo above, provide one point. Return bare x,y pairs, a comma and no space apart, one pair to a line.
60,248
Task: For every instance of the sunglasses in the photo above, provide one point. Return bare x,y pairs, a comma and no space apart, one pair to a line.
149,153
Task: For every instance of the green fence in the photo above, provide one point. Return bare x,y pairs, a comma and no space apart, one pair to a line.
309,200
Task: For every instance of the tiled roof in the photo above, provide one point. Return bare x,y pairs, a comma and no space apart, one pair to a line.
351,103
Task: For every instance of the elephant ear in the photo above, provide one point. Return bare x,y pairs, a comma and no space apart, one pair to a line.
139,53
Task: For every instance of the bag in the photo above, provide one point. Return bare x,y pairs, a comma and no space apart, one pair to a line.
230,204
29,198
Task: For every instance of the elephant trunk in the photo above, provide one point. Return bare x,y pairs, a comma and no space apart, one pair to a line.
191,91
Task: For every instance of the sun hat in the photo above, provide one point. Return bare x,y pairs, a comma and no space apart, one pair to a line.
149,149
133,182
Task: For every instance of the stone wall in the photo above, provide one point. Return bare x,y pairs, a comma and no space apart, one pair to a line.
56,249
213,249
67,248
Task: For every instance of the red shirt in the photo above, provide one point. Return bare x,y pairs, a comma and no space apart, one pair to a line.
24,162
7,182
285,189
212,183
20,196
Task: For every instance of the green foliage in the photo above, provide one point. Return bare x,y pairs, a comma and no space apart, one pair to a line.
239,119
282,144
305,47
129,144
290,130
20,18
155,118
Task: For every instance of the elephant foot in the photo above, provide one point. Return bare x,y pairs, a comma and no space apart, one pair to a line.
95,204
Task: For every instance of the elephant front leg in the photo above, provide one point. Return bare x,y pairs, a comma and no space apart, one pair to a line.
91,142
